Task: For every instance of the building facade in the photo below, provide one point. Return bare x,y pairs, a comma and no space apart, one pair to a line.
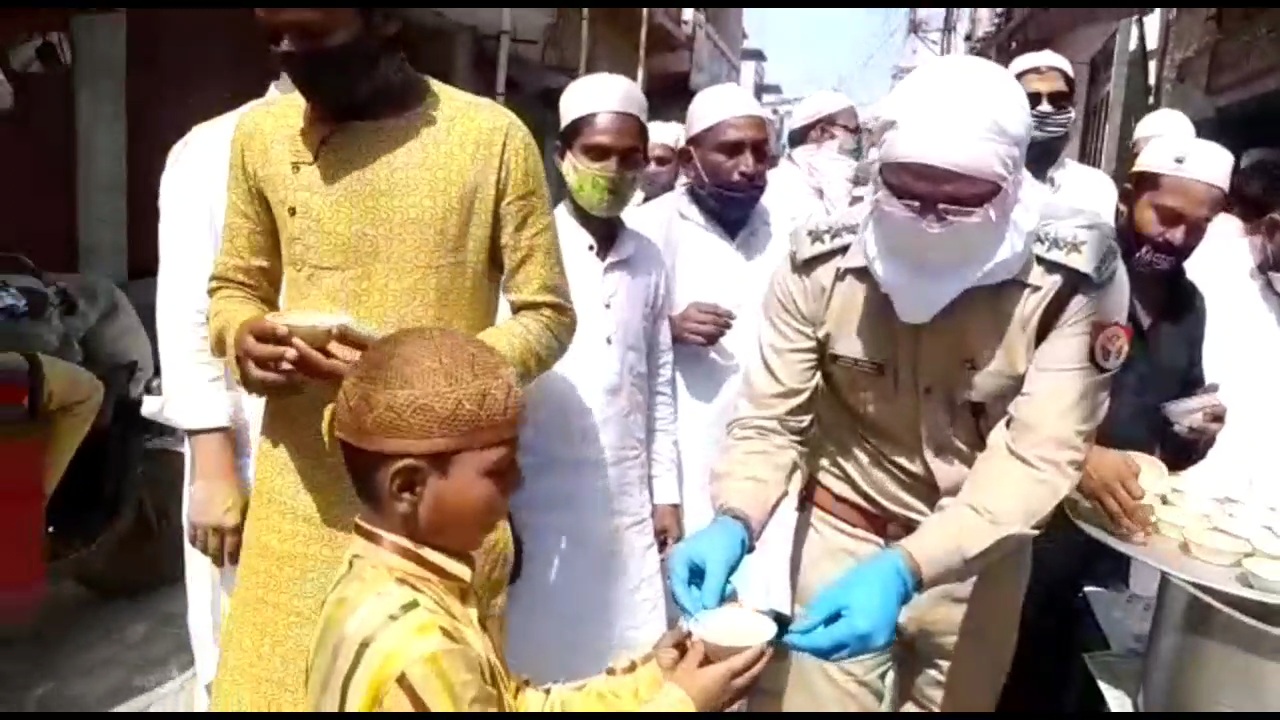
1100,44
1221,66
86,138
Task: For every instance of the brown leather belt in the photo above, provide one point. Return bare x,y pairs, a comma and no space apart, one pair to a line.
852,514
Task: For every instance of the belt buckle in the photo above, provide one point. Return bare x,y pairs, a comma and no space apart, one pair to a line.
895,531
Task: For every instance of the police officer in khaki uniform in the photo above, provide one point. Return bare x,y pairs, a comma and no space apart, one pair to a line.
933,367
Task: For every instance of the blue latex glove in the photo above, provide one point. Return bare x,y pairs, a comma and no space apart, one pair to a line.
700,565
857,614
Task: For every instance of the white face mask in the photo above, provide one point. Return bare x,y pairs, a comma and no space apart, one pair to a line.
830,170
923,264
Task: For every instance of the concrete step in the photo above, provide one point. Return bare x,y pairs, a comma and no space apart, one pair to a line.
177,695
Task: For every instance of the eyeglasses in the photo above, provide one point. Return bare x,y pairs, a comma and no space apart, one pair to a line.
855,131
943,210
1057,99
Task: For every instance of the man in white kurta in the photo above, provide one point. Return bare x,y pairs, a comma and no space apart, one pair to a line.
1236,270
1050,83
824,146
722,235
598,447
199,397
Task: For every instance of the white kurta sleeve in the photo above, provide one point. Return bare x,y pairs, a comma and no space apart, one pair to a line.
194,384
664,461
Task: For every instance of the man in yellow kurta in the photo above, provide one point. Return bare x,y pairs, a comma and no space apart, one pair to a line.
396,200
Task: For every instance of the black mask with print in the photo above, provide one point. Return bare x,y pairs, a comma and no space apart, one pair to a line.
1147,256
344,81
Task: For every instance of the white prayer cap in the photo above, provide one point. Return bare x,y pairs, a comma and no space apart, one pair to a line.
1254,155
961,113
718,103
1164,121
601,93
1191,158
1041,59
817,106
665,132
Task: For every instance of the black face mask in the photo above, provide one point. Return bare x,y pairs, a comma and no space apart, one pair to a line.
1148,257
1042,154
729,206
345,80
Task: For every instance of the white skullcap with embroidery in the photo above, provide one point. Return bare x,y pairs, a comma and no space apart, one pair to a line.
665,132
718,103
1254,155
1041,59
1191,158
817,106
1162,122
601,93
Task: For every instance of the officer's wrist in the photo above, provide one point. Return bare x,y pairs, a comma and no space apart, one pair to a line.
912,568
740,518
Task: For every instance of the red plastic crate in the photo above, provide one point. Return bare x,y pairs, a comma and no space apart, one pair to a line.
23,571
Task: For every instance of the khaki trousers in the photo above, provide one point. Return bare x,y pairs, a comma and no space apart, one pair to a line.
953,649
70,403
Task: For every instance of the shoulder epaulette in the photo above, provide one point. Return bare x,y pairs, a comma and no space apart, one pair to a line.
823,236
1082,242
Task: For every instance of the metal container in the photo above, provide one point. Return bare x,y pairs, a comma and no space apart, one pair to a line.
1210,652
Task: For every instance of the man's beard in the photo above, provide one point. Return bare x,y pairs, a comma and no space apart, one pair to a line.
1042,154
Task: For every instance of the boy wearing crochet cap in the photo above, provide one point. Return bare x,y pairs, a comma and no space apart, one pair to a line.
427,424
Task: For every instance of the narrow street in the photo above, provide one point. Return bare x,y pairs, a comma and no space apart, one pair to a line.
86,654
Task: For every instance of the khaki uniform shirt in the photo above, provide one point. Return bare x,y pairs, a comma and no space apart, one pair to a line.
960,427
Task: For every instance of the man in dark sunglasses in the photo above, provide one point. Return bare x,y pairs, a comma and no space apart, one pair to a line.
1049,81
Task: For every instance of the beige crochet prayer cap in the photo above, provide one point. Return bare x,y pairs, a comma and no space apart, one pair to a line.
426,391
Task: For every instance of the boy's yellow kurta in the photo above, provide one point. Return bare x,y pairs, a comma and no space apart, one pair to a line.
399,634
398,223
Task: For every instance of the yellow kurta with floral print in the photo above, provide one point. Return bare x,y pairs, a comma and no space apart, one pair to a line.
399,633
418,220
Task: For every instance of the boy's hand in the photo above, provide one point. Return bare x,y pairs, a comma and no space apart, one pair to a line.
717,686
667,528
670,649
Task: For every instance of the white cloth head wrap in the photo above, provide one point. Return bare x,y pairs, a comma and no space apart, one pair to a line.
969,115
1164,121
1254,155
1191,158
718,103
1042,59
665,132
821,104
602,93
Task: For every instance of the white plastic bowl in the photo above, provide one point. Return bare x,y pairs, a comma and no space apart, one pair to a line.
1266,543
731,629
1236,526
1193,502
1263,573
311,327
1187,410
1172,521
1153,477
1214,546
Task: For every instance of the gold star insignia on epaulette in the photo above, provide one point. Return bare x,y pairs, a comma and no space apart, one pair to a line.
1065,245
829,233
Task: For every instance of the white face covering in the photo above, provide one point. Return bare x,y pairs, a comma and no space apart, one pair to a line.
830,170
923,264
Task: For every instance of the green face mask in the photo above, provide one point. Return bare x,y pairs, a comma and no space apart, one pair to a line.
603,193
